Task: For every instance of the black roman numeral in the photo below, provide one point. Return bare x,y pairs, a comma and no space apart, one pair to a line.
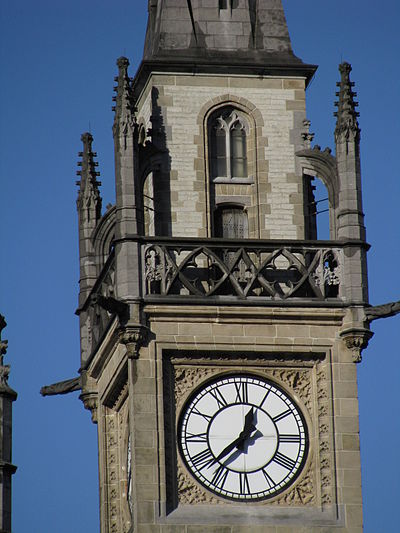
282,415
242,392
289,438
215,393
268,478
220,477
284,461
197,412
203,459
199,437
244,483
265,397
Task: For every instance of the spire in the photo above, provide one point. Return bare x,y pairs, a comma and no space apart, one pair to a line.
4,369
89,199
124,101
232,29
346,114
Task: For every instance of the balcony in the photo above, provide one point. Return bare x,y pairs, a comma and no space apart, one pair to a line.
217,271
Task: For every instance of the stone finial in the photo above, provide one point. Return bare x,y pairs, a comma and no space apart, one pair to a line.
124,108
89,199
306,135
346,114
4,369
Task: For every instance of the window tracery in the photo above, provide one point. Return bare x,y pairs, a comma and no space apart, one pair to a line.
228,146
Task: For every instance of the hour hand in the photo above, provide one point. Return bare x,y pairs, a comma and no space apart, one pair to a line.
248,429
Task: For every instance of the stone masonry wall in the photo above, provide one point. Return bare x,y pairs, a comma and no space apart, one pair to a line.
275,106
333,502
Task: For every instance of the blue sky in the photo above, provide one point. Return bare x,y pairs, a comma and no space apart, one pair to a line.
57,67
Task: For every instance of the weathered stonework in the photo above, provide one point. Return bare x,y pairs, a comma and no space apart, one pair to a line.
198,272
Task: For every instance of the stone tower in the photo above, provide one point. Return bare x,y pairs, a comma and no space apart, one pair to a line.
7,469
219,336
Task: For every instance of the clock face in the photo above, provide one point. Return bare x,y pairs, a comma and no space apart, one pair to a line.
242,437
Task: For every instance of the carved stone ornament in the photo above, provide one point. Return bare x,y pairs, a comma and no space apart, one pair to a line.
191,493
302,493
356,341
133,339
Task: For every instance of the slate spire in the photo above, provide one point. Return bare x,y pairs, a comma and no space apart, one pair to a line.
189,29
89,199
347,123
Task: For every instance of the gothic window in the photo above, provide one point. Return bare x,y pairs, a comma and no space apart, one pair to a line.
228,145
231,222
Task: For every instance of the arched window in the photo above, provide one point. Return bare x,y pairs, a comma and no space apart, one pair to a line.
228,133
231,222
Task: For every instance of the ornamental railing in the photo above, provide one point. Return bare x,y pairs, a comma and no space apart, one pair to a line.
241,269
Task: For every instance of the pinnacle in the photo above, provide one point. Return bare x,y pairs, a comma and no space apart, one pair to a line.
346,114
125,104
88,185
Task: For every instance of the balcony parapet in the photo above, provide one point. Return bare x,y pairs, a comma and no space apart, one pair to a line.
250,271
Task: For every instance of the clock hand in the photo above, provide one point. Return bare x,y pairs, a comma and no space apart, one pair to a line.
228,449
248,429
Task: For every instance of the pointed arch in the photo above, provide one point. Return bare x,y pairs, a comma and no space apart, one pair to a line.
232,148
321,164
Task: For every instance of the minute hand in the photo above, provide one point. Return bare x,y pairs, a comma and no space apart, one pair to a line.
249,427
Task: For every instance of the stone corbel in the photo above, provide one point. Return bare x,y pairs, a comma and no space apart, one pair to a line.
89,395
356,340
133,338
91,403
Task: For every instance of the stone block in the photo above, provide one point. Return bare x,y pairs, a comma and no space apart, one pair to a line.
352,478
208,529
351,495
145,513
147,492
347,424
145,474
145,456
354,515
173,529
255,529
345,390
348,459
145,439
293,84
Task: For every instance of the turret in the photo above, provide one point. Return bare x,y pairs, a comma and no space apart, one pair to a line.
126,178
350,218
347,138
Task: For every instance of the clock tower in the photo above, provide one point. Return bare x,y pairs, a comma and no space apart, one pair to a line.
219,336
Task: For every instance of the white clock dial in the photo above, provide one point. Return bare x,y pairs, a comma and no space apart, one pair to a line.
242,437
